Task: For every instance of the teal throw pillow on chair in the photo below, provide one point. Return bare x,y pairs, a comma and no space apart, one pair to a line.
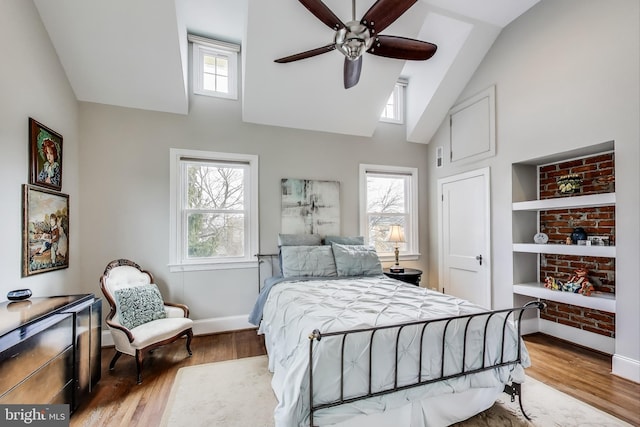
139,304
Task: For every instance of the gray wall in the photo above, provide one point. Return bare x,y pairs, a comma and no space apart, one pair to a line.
567,76
125,188
33,84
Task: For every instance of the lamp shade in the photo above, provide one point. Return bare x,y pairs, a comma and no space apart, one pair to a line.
396,234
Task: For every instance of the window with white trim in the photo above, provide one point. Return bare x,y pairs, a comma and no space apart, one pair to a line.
214,210
215,67
389,196
393,111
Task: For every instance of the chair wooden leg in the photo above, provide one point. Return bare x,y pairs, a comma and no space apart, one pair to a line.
139,365
114,360
189,336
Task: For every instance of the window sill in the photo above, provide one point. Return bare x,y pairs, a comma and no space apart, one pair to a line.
229,265
402,257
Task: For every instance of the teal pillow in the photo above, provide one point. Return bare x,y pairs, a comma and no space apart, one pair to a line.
344,240
356,260
139,304
307,261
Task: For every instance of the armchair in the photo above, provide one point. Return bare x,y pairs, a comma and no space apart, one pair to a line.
139,320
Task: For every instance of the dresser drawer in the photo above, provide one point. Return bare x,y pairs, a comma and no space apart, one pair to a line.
21,362
44,385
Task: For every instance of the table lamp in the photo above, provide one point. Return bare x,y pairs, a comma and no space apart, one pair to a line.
396,235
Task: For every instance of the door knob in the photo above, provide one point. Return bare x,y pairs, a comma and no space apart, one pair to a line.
479,258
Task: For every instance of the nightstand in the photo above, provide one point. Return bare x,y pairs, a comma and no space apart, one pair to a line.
410,275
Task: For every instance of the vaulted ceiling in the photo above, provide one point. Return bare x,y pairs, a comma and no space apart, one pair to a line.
134,53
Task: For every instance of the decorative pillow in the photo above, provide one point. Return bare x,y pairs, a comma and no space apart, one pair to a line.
308,261
139,304
344,240
356,260
299,240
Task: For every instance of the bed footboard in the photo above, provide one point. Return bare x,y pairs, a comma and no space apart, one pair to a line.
504,316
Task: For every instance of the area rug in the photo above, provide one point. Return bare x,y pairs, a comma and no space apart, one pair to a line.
237,393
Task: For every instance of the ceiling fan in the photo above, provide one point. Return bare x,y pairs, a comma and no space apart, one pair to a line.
355,38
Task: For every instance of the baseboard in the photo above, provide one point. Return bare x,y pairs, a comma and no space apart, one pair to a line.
201,327
529,326
221,324
578,336
626,367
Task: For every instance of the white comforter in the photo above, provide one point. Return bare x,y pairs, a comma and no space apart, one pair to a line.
295,308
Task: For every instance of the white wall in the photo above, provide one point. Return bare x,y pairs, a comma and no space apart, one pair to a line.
125,190
567,76
33,84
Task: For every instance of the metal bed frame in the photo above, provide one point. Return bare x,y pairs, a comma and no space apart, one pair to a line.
513,389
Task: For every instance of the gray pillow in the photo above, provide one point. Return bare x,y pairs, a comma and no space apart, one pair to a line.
308,261
299,240
139,304
356,260
344,240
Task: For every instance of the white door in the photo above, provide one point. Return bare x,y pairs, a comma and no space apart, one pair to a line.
465,267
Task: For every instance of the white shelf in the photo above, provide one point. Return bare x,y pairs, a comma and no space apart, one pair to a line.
590,200
579,250
597,301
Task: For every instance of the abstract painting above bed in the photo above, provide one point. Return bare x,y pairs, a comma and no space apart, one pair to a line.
310,207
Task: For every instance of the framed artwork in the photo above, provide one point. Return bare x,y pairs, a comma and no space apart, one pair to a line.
45,156
45,230
310,207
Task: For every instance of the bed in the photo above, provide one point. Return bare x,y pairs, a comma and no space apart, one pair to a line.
349,346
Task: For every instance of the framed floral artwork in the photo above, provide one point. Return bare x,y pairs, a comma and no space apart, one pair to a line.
45,230
45,156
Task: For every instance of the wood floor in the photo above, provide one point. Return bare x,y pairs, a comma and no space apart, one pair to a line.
119,401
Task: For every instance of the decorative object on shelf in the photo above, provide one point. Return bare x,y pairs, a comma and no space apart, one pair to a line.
19,294
578,234
598,240
571,287
608,182
396,235
45,154
569,184
580,282
540,238
568,240
553,284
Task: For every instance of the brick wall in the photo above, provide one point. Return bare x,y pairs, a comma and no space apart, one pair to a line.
558,224
596,321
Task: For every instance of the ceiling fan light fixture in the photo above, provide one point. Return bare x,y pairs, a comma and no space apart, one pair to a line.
353,40
357,37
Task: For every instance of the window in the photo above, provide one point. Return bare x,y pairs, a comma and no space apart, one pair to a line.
393,111
389,196
215,67
214,210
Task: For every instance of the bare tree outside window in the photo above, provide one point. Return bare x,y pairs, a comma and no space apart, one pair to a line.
386,206
215,210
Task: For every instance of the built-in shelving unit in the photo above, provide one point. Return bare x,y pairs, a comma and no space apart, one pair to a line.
587,201
578,250
598,300
531,202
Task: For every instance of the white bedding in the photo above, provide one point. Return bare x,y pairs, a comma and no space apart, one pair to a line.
295,308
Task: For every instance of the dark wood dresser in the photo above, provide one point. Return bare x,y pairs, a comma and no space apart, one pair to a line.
50,349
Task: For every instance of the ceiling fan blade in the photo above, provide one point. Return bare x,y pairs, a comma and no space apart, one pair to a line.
352,72
307,54
402,48
384,12
323,13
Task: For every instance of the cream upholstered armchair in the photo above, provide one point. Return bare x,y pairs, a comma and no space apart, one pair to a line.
139,320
